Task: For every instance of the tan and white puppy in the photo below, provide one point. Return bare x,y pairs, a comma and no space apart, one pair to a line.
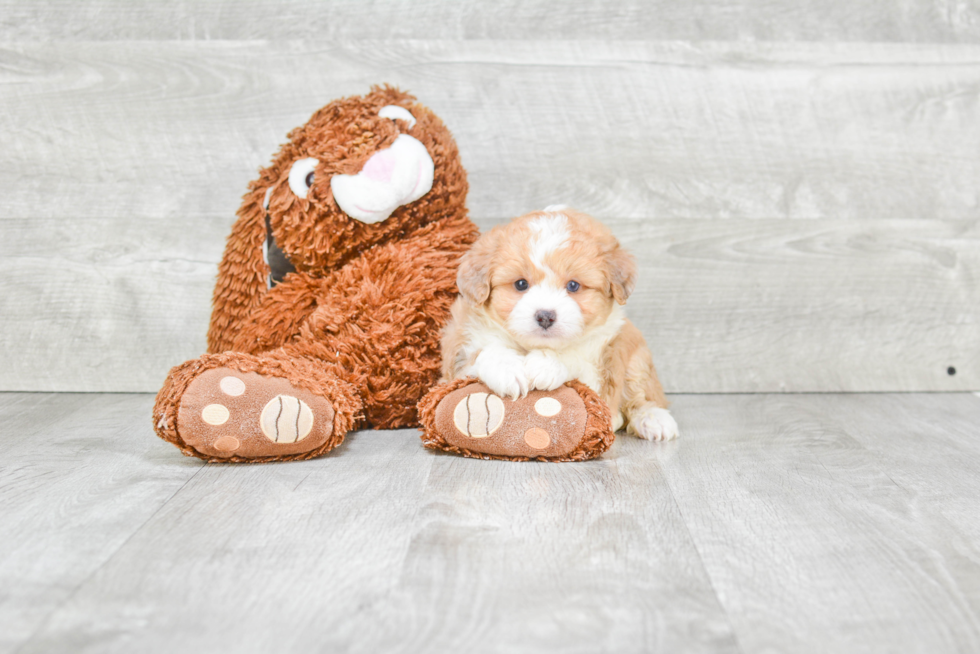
540,304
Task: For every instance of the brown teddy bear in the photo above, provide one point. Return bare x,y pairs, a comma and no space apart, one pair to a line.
335,284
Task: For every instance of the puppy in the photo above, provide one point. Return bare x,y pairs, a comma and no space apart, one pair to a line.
540,304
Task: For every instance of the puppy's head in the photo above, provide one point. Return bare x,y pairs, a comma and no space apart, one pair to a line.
548,278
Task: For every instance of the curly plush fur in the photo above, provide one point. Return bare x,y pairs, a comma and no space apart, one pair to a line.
358,321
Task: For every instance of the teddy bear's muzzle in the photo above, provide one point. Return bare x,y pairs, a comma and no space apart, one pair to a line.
391,178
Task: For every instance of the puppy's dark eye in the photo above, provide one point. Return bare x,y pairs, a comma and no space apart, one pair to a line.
521,284
573,286
309,180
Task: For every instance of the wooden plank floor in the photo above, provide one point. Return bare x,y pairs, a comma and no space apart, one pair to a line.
803,523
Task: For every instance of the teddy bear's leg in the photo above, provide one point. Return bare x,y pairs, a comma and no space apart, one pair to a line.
570,423
242,407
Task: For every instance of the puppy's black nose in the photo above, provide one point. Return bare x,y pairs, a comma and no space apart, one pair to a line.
545,318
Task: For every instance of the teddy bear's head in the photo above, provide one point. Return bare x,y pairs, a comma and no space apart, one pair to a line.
361,171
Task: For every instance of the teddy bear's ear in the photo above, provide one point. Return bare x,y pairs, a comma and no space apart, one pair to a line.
622,273
473,276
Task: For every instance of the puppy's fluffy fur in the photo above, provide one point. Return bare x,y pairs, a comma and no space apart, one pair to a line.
541,303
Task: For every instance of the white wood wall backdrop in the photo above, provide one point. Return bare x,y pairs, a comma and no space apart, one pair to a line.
774,20
806,213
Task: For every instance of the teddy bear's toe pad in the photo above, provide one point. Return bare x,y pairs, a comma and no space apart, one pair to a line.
543,424
478,415
226,413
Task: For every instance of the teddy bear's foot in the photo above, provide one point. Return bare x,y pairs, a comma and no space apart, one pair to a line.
226,413
570,423
241,412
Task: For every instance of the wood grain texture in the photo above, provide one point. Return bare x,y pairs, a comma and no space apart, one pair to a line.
552,557
106,305
803,523
924,434
764,20
640,130
804,306
292,557
79,475
124,163
812,541
735,305
367,551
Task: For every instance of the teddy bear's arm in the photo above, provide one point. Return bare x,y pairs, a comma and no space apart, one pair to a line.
414,278
283,309
410,283
242,273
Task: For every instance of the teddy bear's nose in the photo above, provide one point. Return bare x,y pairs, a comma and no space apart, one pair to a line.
545,318
380,167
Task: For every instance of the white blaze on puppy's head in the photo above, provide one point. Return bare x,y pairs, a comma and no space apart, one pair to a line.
550,234
545,313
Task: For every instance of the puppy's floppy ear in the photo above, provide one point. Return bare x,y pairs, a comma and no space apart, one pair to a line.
473,276
622,273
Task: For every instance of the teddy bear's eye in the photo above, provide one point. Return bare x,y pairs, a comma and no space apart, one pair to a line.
301,176
394,112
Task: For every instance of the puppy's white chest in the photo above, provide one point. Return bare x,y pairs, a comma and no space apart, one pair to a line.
584,359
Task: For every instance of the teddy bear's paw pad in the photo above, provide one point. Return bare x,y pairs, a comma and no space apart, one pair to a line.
479,415
226,413
286,419
542,424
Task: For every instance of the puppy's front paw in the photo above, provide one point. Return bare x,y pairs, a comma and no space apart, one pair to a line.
653,424
507,383
503,373
544,371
